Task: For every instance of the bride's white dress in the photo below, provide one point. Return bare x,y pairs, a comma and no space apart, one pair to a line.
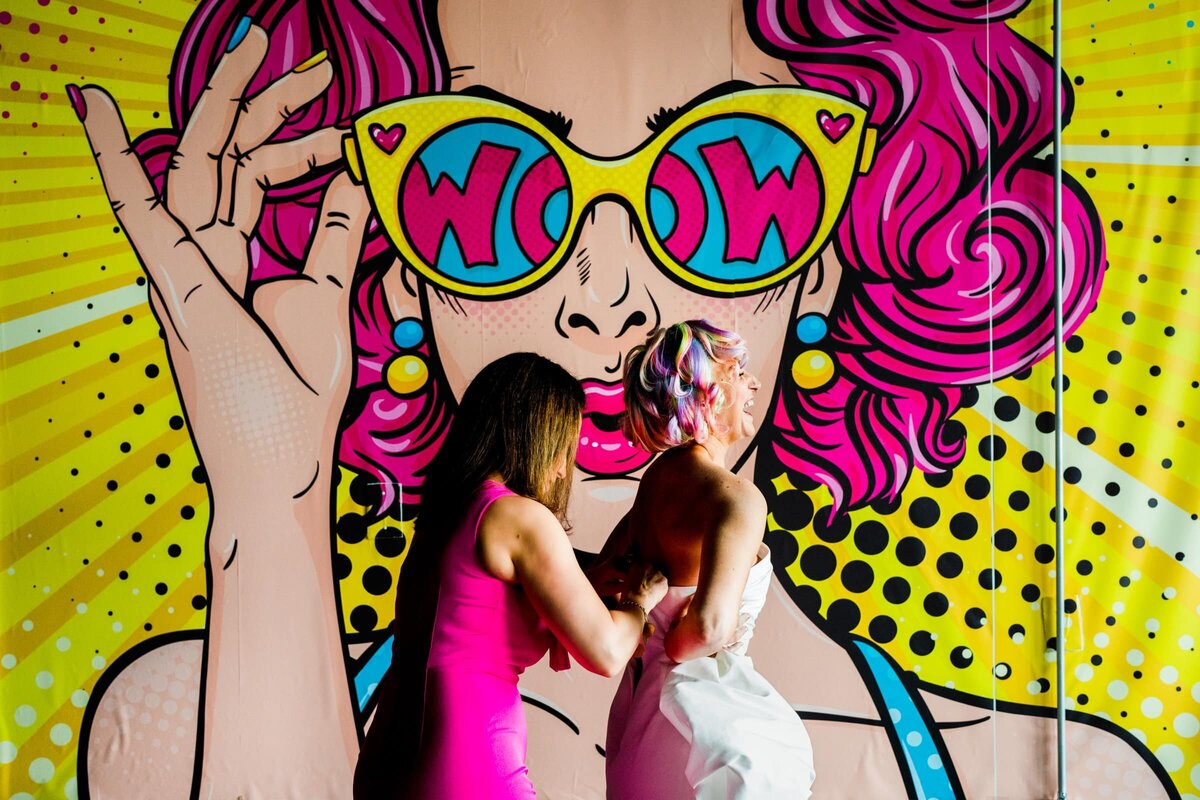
709,728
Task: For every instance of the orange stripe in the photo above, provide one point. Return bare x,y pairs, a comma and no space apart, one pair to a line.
22,465
60,298
34,266
54,227
47,394
47,195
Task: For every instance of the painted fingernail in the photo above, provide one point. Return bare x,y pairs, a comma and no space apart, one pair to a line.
77,101
313,61
239,33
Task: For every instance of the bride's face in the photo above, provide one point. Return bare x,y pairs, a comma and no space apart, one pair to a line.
608,71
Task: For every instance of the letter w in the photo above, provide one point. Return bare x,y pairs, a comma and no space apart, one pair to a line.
750,206
469,212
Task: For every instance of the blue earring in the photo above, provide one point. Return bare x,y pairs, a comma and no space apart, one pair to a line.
408,333
407,373
811,328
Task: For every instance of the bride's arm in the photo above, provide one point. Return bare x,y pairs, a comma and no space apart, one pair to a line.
730,546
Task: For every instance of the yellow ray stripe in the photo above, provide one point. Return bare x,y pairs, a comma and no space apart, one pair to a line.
135,14
37,266
1127,81
53,345
55,610
29,535
38,744
48,393
117,44
23,307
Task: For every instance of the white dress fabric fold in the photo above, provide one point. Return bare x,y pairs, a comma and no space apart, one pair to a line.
710,728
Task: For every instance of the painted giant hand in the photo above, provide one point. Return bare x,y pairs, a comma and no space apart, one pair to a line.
856,191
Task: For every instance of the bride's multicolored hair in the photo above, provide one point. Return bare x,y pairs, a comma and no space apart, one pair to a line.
672,384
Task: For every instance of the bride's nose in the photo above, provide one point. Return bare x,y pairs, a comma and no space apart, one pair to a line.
611,302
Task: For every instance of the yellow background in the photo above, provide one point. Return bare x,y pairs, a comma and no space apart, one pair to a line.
104,518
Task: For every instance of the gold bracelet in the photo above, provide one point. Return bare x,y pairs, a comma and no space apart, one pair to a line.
635,604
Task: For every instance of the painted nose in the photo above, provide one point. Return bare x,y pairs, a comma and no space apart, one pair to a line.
611,301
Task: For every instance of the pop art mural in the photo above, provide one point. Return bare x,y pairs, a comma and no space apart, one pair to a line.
220,402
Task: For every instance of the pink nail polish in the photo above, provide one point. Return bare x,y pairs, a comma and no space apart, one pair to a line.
77,101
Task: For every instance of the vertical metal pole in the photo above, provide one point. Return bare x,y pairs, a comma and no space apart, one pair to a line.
1059,560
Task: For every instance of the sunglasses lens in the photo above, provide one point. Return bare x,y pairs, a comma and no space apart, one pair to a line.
735,198
485,203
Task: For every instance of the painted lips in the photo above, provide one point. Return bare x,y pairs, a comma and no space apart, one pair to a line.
603,448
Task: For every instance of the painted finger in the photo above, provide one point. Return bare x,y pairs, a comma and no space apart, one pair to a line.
258,120
320,353
268,110
275,164
194,182
337,242
158,238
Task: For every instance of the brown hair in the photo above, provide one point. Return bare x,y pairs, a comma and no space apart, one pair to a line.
520,414
518,417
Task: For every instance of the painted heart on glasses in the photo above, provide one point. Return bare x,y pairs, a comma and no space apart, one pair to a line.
734,196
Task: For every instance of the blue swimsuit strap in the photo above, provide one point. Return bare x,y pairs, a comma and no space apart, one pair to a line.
371,671
926,765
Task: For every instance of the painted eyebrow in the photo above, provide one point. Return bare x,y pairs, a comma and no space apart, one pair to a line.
665,116
558,123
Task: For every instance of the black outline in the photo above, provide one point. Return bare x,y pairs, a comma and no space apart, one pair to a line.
722,90
414,160
110,675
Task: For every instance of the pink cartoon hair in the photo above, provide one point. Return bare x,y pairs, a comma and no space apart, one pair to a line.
946,280
672,383
947,243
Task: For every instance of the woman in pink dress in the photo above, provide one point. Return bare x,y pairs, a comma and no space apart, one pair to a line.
493,585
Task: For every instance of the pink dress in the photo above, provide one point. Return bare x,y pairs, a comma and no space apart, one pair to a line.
485,633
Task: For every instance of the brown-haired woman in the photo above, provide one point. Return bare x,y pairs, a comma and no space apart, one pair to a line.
490,585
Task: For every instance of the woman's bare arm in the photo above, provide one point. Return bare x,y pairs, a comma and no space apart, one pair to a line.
521,541
730,547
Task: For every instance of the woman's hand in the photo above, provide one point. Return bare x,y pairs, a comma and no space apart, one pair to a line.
610,576
645,585
263,374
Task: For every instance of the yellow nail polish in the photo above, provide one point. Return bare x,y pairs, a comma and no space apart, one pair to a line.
313,61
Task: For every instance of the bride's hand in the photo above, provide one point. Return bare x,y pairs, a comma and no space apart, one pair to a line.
263,374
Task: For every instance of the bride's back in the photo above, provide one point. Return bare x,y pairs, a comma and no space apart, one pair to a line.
682,495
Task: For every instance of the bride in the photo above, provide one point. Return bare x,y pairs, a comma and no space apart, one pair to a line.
691,717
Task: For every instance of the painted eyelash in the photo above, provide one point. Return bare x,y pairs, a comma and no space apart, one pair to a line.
558,123
662,118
